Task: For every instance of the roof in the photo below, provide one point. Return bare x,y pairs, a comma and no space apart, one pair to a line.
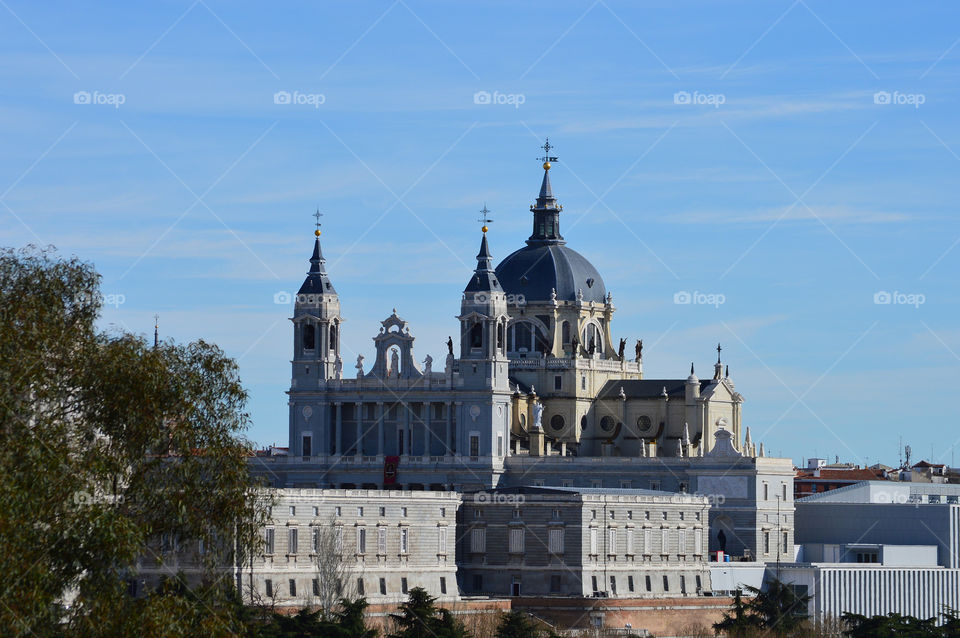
612,491
535,270
839,475
317,281
484,278
925,464
647,388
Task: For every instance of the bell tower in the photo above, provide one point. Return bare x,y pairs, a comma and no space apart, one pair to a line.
316,352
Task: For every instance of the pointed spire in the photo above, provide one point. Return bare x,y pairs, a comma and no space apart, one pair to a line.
546,210
484,278
727,375
317,281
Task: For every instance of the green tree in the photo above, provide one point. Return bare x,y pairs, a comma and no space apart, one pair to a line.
419,617
739,621
107,443
516,624
892,626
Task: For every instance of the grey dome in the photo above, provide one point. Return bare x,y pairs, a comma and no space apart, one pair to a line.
534,269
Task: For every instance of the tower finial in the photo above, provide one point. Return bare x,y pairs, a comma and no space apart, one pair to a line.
547,158
156,330
485,218
317,215
718,352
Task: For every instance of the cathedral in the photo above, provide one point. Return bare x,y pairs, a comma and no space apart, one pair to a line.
537,390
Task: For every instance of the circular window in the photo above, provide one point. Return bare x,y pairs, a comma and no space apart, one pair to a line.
583,422
643,423
523,420
607,423
556,422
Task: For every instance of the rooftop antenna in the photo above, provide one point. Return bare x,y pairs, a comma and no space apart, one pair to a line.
907,451
485,218
156,330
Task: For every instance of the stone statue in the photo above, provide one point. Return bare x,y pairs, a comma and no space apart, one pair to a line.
428,365
537,415
593,347
450,345
338,368
574,346
394,363
639,350
359,366
623,344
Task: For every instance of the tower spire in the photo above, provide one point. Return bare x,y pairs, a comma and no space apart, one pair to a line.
317,281
484,279
546,210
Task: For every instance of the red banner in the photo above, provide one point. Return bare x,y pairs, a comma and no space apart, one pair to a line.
391,465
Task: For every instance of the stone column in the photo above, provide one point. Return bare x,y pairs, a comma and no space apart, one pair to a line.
338,445
359,445
380,428
448,428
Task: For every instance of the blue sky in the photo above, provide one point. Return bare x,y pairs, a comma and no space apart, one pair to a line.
795,160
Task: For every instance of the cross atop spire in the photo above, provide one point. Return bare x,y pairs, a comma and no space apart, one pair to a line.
317,215
718,352
547,158
485,217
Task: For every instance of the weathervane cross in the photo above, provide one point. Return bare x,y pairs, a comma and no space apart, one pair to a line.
485,215
546,150
317,215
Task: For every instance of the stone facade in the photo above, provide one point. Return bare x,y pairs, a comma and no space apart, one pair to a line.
583,542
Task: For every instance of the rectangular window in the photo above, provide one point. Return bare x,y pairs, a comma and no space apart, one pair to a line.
555,583
664,541
443,585
360,586
593,581
292,540
629,542
646,541
516,540
442,540
611,542
593,541
648,583
683,584
766,542
381,540
557,382
359,511
293,588
404,538
784,486
478,540
682,541
654,485
583,383
785,543
315,542
316,586
268,540
403,512
698,541
499,445
443,512
555,540
383,511
666,583
613,585
684,487
699,584
338,511
766,491
307,445
362,540
630,583
474,445
268,587
338,539
403,585
383,586
316,511
293,510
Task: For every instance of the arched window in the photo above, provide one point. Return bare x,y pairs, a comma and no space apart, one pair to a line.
333,336
591,334
476,335
524,336
499,335
309,337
